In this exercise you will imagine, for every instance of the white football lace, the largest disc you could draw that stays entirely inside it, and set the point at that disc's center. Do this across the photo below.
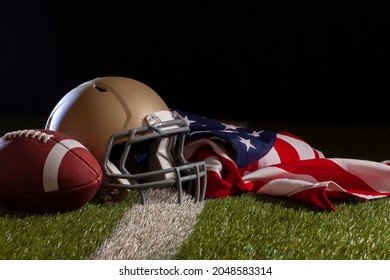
(41, 136)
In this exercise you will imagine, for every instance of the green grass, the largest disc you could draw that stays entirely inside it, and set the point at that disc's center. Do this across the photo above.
(73, 235)
(245, 227)
(263, 227)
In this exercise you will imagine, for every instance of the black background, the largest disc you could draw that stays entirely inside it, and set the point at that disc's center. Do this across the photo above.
(267, 60)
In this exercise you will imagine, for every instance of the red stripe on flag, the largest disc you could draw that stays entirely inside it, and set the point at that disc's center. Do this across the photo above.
(316, 180)
(285, 151)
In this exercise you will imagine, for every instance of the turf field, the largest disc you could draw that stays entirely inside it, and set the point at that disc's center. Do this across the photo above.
(241, 228)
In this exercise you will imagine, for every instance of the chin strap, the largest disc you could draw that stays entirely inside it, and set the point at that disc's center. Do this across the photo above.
(114, 194)
(114, 170)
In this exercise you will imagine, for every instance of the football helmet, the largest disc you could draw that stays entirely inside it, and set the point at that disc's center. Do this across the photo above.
(133, 134)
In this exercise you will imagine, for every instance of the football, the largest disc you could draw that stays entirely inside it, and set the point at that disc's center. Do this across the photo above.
(46, 171)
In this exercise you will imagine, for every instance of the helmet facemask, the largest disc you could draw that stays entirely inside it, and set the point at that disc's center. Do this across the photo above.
(152, 157)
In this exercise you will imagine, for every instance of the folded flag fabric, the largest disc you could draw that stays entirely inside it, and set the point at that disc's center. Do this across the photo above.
(241, 160)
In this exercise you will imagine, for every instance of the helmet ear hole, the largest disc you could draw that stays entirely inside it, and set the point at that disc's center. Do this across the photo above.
(100, 88)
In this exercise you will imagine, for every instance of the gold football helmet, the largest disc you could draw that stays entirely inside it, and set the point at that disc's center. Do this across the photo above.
(133, 134)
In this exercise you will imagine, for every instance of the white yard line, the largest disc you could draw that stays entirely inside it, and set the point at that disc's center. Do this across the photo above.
(155, 230)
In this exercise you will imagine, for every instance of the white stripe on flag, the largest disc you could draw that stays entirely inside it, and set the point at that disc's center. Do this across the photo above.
(304, 150)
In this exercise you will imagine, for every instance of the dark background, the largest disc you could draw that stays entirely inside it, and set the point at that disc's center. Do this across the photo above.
(282, 61)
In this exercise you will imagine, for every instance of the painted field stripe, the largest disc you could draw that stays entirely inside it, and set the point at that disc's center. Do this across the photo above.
(152, 231)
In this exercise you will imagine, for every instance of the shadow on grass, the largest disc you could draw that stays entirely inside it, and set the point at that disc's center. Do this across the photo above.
(289, 203)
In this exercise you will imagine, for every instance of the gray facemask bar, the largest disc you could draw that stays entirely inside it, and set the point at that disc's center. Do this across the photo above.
(195, 172)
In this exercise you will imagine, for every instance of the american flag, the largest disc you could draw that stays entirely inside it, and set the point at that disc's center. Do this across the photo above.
(241, 160)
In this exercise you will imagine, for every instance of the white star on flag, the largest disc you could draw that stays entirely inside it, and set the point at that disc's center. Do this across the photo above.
(230, 126)
(256, 133)
(247, 143)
